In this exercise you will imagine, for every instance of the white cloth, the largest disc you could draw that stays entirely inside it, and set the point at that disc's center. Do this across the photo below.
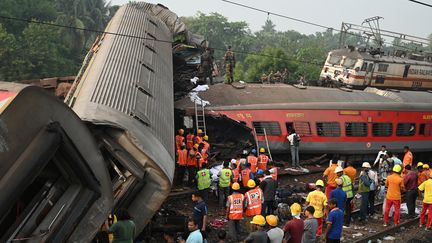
(291, 138)
(201, 88)
(379, 155)
(374, 177)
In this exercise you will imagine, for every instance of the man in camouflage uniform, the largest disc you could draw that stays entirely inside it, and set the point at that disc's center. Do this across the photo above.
(229, 63)
(207, 65)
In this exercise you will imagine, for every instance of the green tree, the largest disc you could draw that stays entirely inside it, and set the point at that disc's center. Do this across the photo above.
(7, 51)
(239, 73)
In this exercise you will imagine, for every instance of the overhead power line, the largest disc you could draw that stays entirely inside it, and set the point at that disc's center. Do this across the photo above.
(421, 3)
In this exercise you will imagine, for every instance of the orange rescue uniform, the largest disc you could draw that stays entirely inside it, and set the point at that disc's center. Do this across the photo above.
(182, 157)
(254, 199)
(408, 158)
(236, 202)
(245, 176)
(179, 140)
(262, 162)
(254, 163)
(189, 141)
(192, 161)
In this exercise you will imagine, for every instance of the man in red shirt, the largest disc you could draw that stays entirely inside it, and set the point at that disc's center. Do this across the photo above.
(410, 182)
(295, 227)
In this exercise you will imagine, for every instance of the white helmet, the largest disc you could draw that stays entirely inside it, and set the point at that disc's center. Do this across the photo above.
(338, 169)
(366, 165)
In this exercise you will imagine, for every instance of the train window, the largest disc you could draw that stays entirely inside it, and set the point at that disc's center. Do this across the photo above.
(302, 128)
(349, 62)
(271, 128)
(425, 129)
(370, 67)
(382, 129)
(328, 129)
(380, 79)
(405, 129)
(364, 66)
(382, 67)
(356, 129)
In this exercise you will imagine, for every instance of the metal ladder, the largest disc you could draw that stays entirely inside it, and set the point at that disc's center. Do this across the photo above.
(200, 117)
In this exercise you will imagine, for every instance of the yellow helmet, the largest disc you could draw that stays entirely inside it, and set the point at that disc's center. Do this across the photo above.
(272, 220)
(262, 150)
(196, 146)
(251, 183)
(235, 186)
(295, 209)
(319, 183)
(420, 164)
(425, 166)
(397, 168)
(258, 220)
(205, 138)
(199, 131)
(181, 131)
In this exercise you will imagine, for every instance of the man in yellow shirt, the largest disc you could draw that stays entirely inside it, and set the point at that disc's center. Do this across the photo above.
(331, 178)
(427, 202)
(318, 200)
(395, 186)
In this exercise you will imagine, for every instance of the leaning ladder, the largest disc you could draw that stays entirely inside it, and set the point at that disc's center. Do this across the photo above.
(200, 117)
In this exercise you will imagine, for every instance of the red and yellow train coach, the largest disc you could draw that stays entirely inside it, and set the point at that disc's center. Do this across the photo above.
(328, 120)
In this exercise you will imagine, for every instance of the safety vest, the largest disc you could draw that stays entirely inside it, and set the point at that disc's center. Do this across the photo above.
(179, 140)
(254, 201)
(204, 179)
(236, 206)
(254, 163)
(347, 186)
(199, 159)
(198, 139)
(245, 176)
(262, 162)
(275, 173)
(192, 158)
(189, 141)
(225, 178)
(236, 174)
(206, 145)
(182, 157)
(204, 156)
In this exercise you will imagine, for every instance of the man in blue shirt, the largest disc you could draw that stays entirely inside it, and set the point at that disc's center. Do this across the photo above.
(195, 235)
(200, 211)
(339, 194)
(335, 222)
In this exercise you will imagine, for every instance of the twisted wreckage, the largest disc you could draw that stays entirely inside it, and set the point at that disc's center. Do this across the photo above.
(66, 165)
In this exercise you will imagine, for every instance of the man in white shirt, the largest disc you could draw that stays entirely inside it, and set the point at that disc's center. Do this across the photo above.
(274, 233)
(380, 155)
(373, 175)
(294, 140)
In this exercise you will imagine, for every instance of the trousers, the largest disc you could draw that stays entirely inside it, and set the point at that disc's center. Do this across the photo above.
(348, 210)
(371, 199)
(267, 208)
(223, 195)
(396, 215)
(295, 156)
(410, 198)
(425, 207)
(328, 190)
(234, 229)
(364, 205)
(320, 226)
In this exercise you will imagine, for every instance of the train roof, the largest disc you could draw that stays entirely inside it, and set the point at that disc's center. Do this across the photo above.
(282, 96)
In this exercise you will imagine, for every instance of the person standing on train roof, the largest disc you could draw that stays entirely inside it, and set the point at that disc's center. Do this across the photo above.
(331, 177)
(225, 177)
(182, 155)
(294, 141)
(318, 200)
(246, 175)
(395, 187)
(203, 177)
(410, 182)
(426, 187)
(253, 161)
(408, 157)
(382, 152)
(262, 159)
(179, 139)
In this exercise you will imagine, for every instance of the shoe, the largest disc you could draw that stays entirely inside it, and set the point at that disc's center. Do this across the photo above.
(345, 227)
(420, 225)
(385, 225)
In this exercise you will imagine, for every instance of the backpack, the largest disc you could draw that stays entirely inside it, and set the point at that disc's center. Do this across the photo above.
(296, 140)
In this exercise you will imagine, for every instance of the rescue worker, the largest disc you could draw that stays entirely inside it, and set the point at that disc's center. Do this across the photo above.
(351, 172)
(206, 143)
(262, 159)
(203, 177)
(182, 155)
(253, 161)
(408, 157)
(190, 140)
(254, 199)
(420, 175)
(207, 65)
(331, 177)
(347, 187)
(259, 177)
(258, 235)
(246, 175)
(269, 187)
(225, 177)
(410, 182)
(426, 187)
(395, 187)
(201, 155)
(199, 137)
(229, 63)
(192, 164)
(295, 227)
(426, 170)
(235, 171)
(273, 170)
(234, 211)
(364, 189)
(179, 139)
(275, 234)
(318, 200)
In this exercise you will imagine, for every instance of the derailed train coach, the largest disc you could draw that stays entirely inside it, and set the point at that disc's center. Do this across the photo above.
(65, 167)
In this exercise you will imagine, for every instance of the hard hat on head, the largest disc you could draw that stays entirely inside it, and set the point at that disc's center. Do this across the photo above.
(420, 164)
(258, 220)
(319, 183)
(295, 209)
(272, 220)
(260, 172)
(262, 150)
(425, 166)
(338, 169)
(196, 146)
(339, 181)
(181, 131)
(199, 131)
(397, 168)
(366, 165)
(235, 186)
(205, 138)
(251, 183)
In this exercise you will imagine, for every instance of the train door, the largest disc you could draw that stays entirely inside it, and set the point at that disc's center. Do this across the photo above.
(369, 74)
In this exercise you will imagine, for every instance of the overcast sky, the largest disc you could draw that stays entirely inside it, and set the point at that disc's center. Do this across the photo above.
(399, 15)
